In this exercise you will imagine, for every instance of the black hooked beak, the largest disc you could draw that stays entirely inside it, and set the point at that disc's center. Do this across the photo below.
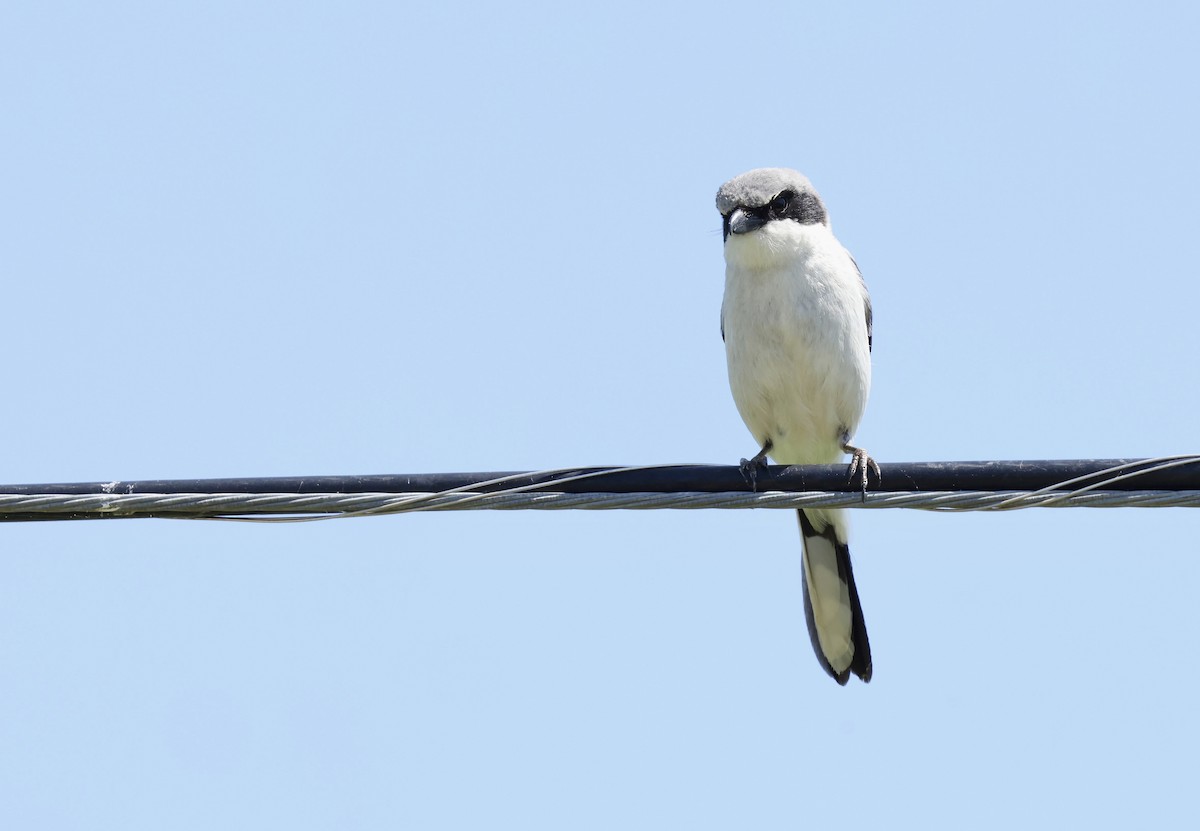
(743, 221)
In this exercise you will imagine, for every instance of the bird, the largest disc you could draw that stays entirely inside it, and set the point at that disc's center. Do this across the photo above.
(797, 325)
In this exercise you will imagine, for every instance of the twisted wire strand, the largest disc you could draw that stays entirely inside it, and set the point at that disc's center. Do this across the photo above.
(271, 506)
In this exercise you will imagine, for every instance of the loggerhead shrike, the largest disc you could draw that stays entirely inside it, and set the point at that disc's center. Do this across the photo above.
(796, 321)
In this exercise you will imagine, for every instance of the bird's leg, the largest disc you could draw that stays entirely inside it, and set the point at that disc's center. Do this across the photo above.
(860, 463)
(749, 467)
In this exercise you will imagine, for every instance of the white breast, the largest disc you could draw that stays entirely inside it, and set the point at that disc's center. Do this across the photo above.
(794, 318)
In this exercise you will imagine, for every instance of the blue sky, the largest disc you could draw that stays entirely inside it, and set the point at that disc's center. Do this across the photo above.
(378, 238)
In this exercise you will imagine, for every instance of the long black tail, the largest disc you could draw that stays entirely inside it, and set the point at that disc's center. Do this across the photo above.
(831, 608)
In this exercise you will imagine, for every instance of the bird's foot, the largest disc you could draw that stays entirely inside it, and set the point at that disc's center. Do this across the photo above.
(861, 464)
(750, 467)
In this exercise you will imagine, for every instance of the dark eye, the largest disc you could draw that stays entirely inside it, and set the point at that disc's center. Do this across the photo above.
(780, 203)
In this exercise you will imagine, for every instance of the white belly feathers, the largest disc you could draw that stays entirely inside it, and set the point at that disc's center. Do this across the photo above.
(796, 342)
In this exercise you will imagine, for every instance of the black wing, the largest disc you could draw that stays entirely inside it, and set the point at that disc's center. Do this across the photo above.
(866, 303)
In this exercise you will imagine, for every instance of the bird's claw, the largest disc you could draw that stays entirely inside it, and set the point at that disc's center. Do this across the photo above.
(861, 464)
(750, 468)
